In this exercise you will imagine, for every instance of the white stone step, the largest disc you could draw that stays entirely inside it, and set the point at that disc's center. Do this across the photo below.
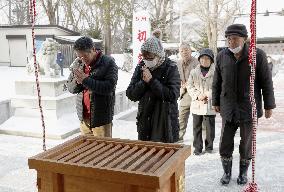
(65, 100)
(32, 127)
(48, 86)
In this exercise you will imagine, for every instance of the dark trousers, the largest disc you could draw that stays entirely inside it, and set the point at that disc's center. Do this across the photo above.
(227, 139)
(209, 123)
(61, 68)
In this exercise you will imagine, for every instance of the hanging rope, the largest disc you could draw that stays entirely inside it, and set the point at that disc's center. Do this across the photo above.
(252, 187)
(33, 16)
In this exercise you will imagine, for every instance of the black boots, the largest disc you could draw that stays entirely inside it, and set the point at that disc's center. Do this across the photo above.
(227, 167)
(242, 178)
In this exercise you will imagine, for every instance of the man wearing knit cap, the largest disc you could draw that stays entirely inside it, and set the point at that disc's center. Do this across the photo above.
(185, 65)
(231, 97)
(155, 84)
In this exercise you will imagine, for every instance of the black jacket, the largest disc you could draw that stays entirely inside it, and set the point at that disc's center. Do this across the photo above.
(231, 85)
(101, 83)
(164, 86)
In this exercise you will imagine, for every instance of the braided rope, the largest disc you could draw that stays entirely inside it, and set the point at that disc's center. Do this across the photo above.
(252, 187)
(33, 16)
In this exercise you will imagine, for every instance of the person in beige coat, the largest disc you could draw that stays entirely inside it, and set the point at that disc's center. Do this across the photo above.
(200, 89)
(185, 65)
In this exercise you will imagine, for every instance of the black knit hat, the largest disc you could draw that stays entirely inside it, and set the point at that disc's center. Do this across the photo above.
(236, 29)
(207, 52)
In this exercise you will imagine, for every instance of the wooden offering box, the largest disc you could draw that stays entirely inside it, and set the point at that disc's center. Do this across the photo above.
(92, 164)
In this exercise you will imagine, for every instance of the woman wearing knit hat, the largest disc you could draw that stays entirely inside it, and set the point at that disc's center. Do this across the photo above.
(155, 84)
(200, 89)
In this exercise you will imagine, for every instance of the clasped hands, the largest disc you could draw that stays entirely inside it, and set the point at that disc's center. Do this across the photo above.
(79, 75)
(203, 97)
(146, 74)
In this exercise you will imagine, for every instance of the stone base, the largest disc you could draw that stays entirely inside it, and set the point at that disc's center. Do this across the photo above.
(58, 107)
(122, 103)
(27, 106)
(56, 101)
(5, 110)
(49, 87)
(32, 127)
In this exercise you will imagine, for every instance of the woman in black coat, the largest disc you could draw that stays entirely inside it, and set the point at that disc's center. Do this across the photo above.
(155, 84)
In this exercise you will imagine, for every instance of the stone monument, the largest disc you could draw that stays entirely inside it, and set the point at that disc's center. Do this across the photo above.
(46, 59)
(57, 103)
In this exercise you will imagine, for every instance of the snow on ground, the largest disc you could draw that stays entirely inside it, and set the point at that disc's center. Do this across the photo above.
(202, 172)
(8, 75)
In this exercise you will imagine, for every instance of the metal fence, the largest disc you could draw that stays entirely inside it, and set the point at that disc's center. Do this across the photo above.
(68, 53)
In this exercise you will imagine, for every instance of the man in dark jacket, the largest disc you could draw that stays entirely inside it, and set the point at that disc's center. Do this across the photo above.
(155, 84)
(93, 79)
(230, 97)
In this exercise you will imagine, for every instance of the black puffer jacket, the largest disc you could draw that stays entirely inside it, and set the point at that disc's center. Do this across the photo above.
(164, 86)
(101, 83)
(231, 85)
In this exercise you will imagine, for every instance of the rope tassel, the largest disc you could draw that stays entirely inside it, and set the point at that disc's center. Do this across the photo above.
(252, 187)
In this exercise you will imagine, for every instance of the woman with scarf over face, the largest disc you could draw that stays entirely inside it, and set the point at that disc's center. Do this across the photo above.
(156, 84)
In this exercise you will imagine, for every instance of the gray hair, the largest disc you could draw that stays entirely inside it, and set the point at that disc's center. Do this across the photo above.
(185, 44)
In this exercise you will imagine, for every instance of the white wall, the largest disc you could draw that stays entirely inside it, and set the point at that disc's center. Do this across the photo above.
(4, 43)
(4, 50)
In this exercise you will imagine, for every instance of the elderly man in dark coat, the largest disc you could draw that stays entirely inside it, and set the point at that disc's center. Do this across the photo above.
(230, 97)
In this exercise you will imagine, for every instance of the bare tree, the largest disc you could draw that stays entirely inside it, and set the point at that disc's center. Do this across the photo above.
(4, 4)
(15, 11)
(103, 14)
(73, 13)
(163, 16)
(50, 8)
(21, 12)
(6, 11)
(112, 19)
(215, 15)
(122, 24)
(107, 27)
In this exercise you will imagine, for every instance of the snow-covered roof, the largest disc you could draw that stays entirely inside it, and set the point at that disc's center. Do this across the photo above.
(72, 39)
(271, 26)
(168, 46)
(47, 28)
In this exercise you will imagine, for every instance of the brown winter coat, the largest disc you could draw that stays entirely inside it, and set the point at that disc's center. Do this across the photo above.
(184, 71)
